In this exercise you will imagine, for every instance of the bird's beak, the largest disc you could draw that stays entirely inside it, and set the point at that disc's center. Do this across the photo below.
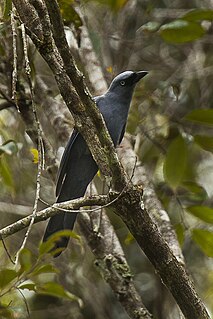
(140, 75)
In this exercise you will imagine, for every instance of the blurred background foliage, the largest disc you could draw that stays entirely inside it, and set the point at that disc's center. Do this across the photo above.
(171, 127)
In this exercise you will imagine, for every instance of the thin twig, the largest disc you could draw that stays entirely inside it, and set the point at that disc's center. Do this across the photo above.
(25, 301)
(53, 210)
(40, 142)
(7, 252)
(26, 59)
(15, 72)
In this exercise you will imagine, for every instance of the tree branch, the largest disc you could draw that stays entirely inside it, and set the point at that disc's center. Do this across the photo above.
(111, 263)
(151, 202)
(46, 213)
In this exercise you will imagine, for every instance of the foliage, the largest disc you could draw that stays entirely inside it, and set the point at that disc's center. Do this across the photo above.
(32, 272)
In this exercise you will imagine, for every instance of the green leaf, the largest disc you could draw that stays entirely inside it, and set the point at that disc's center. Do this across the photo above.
(64, 233)
(56, 290)
(175, 162)
(69, 13)
(179, 229)
(45, 247)
(6, 276)
(129, 239)
(195, 192)
(48, 246)
(181, 31)
(35, 154)
(151, 26)
(206, 142)
(25, 260)
(198, 15)
(30, 287)
(10, 147)
(204, 239)
(41, 269)
(5, 174)
(204, 213)
(7, 9)
(201, 116)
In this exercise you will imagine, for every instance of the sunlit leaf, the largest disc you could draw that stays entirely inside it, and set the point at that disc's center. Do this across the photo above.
(204, 213)
(25, 260)
(175, 162)
(204, 239)
(45, 247)
(10, 147)
(34, 152)
(198, 15)
(29, 286)
(109, 69)
(201, 116)
(48, 246)
(41, 269)
(56, 290)
(6, 276)
(129, 239)
(151, 26)
(181, 31)
(64, 233)
(206, 142)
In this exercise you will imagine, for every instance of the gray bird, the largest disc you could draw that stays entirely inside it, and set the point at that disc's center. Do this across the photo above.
(77, 167)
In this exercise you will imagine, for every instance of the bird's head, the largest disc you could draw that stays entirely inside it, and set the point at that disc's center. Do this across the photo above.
(124, 83)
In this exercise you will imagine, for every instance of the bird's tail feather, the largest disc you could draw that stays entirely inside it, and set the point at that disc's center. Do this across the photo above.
(59, 222)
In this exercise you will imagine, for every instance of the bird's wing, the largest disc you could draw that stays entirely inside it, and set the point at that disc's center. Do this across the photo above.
(64, 161)
(122, 134)
(63, 168)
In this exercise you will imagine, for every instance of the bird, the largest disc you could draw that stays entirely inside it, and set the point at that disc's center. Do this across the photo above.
(77, 167)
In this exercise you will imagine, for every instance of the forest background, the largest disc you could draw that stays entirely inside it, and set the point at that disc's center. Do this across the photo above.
(169, 129)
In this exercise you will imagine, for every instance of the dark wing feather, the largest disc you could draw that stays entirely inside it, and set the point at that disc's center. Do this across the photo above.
(122, 134)
(64, 161)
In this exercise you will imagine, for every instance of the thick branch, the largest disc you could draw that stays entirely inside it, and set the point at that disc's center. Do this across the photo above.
(111, 262)
(151, 202)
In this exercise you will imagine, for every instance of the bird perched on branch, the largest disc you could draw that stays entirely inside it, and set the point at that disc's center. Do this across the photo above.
(77, 167)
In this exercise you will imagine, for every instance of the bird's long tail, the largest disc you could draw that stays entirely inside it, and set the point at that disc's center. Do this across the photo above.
(59, 222)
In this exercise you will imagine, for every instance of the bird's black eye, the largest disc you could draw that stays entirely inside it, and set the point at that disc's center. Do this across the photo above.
(122, 83)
